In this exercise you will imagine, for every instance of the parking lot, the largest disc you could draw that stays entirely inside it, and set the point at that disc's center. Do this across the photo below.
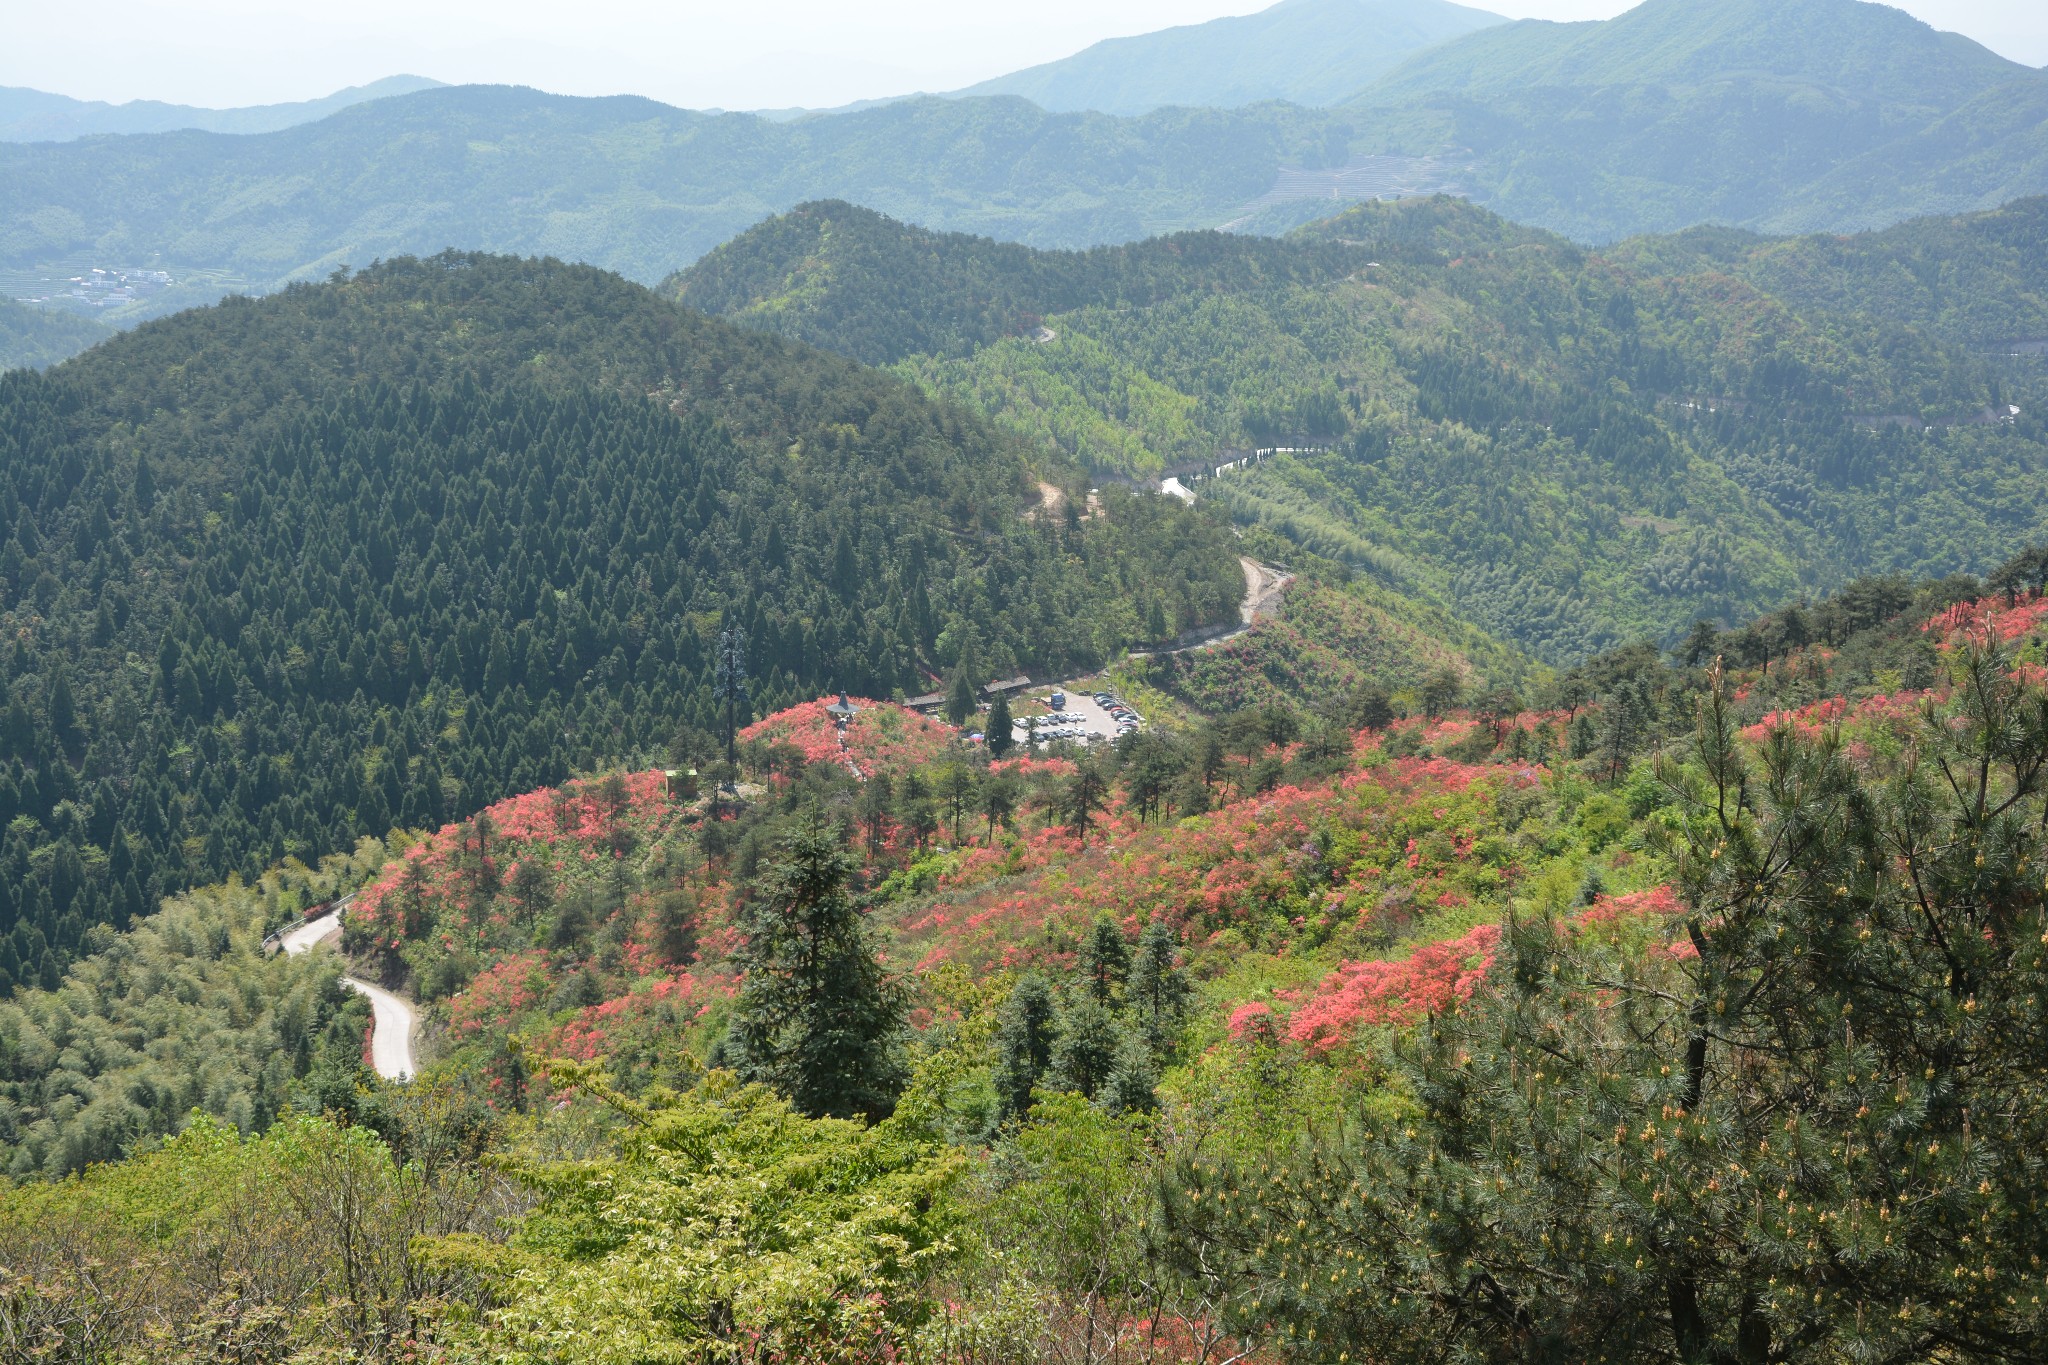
(1085, 719)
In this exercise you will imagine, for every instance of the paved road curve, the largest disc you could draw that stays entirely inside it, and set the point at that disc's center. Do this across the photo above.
(391, 1039)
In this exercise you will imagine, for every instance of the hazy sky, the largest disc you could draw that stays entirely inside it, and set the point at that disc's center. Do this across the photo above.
(735, 54)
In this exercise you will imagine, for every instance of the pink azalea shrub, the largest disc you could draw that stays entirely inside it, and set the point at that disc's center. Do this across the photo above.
(882, 736)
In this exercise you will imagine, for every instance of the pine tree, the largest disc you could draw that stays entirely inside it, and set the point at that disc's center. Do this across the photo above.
(957, 784)
(1086, 1050)
(816, 1018)
(998, 801)
(1158, 990)
(1085, 793)
(1105, 959)
(1024, 1038)
(1129, 1088)
(1000, 730)
(1440, 692)
(960, 700)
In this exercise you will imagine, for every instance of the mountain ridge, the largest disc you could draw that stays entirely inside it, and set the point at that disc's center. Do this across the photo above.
(1304, 51)
(28, 115)
(1802, 116)
(1677, 429)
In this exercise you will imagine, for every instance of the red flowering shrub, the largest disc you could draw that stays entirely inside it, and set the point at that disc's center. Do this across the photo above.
(1988, 619)
(1253, 1022)
(500, 994)
(1293, 865)
(1438, 976)
(1894, 711)
(1432, 979)
(882, 736)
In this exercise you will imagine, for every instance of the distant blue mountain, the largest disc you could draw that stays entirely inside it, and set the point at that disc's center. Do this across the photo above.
(38, 116)
(1305, 51)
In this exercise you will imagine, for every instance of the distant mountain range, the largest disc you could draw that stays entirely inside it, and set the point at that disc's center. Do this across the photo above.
(1803, 116)
(1305, 51)
(626, 183)
(38, 116)
(1775, 115)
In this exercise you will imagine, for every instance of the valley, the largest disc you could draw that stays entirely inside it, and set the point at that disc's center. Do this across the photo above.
(1356, 685)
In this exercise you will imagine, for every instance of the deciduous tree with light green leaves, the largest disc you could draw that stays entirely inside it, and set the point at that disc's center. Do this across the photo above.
(726, 1227)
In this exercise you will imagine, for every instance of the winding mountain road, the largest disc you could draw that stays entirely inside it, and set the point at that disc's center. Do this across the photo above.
(394, 1019)
(1264, 586)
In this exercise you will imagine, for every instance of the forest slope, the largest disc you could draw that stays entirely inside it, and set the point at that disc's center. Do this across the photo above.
(1568, 449)
(1149, 1012)
(280, 574)
(34, 338)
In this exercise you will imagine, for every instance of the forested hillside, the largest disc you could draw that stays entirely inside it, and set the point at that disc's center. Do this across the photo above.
(38, 337)
(857, 282)
(1979, 280)
(1568, 449)
(376, 552)
(183, 1012)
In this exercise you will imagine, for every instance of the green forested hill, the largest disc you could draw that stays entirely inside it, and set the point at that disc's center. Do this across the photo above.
(1570, 449)
(1305, 51)
(1844, 46)
(1785, 115)
(279, 574)
(34, 337)
(857, 282)
(1976, 279)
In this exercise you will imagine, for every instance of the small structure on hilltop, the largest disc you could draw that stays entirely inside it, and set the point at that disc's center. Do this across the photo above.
(842, 711)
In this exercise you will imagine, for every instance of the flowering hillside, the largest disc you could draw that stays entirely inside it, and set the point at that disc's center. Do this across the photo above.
(882, 736)
(1360, 858)
(598, 918)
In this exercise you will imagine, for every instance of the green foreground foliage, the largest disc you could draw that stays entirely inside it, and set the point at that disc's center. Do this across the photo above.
(726, 1227)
